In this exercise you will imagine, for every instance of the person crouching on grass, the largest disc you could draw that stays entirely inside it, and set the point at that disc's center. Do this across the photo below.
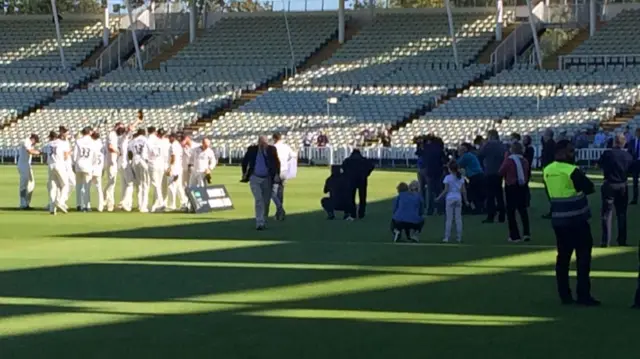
(455, 192)
(408, 208)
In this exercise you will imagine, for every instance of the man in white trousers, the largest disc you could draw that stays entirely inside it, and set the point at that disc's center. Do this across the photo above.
(98, 168)
(285, 156)
(57, 153)
(27, 182)
(125, 170)
(111, 163)
(165, 152)
(84, 153)
(187, 147)
(139, 153)
(174, 174)
(156, 169)
(63, 132)
(203, 161)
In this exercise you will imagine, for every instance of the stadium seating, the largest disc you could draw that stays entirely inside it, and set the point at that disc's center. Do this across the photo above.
(260, 41)
(28, 42)
(402, 38)
(22, 90)
(613, 38)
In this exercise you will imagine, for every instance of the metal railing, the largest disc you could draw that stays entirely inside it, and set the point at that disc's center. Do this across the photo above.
(550, 42)
(385, 156)
(623, 60)
(506, 54)
(571, 15)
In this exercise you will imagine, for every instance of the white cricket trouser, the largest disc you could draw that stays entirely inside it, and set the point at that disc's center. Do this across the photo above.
(175, 191)
(197, 179)
(110, 189)
(165, 185)
(27, 185)
(184, 201)
(156, 176)
(58, 186)
(126, 187)
(141, 182)
(83, 189)
(71, 180)
(96, 180)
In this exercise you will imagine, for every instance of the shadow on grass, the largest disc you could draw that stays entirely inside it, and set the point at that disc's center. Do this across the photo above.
(322, 291)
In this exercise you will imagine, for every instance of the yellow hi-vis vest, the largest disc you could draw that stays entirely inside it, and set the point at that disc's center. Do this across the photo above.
(557, 177)
(568, 206)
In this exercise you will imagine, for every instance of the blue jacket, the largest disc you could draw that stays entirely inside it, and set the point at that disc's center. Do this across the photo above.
(470, 163)
(408, 207)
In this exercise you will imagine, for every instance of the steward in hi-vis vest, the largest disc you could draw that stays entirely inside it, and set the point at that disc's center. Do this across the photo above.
(568, 188)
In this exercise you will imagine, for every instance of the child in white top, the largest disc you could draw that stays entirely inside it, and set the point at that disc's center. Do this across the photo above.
(454, 189)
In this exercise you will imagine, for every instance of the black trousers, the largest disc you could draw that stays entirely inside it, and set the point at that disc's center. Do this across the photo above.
(477, 191)
(422, 179)
(406, 226)
(495, 196)
(635, 174)
(434, 188)
(361, 188)
(569, 239)
(517, 200)
(637, 298)
(330, 207)
(614, 196)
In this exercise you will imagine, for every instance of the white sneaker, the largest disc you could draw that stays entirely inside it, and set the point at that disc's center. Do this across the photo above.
(349, 219)
(127, 209)
(446, 240)
(110, 208)
(459, 240)
(513, 240)
(144, 210)
(63, 209)
(396, 235)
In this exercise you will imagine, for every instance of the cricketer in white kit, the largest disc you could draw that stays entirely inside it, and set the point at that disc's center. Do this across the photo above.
(157, 169)
(57, 152)
(203, 161)
(139, 158)
(111, 163)
(27, 182)
(285, 156)
(98, 168)
(174, 175)
(84, 153)
(126, 172)
(165, 152)
(71, 179)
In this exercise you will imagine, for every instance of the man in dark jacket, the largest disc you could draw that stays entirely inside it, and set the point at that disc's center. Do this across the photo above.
(493, 153)
(615, 165)
(432, 158)
(633, 147)
(337, 186)
(260, 167)
(357, 170)
(547, 157)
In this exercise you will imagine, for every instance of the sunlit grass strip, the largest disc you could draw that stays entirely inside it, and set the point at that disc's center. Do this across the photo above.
(595, 274)
(38, 323)
(401, 317)
(451, 270)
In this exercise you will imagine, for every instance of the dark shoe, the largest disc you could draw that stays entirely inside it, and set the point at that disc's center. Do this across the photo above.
(501, 218)
(635, 306)
(624, 244)
(331, 217)
(526, 238)
(260, 228)
(488, 220)
(634, 202)
(78, 208)
(567, 301)
(546, 216)
(588, 302)
(28, 208)
(604, 245)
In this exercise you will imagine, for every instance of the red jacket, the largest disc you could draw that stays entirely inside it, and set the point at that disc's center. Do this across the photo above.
(509, 171)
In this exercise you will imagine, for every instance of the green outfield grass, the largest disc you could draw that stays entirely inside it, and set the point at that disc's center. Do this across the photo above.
(130, 285)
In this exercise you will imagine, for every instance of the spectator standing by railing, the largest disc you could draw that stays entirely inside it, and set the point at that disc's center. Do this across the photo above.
(322, 140)
(493, 153)
(633, 147)
(547, 157)
(515, 170)
(615, 166)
